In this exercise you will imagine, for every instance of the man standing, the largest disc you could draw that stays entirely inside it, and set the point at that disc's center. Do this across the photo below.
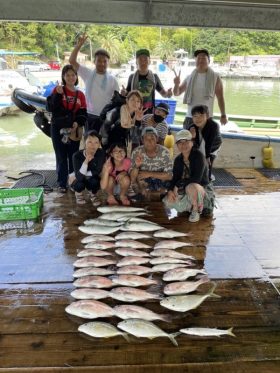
(145, 81)
(201, 87)
(99, 84)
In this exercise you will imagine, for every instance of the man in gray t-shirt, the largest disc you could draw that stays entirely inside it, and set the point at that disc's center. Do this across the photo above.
(151, 164)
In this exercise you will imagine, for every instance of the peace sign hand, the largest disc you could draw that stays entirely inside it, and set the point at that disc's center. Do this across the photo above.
(59, 89)
(177, 78)
(82, 39)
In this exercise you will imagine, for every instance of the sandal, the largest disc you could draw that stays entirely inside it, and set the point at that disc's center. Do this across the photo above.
(80, 198)
(125, 201)
(111, 200)
(62, 190)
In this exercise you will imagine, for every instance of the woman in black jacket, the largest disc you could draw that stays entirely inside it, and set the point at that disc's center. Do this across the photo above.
(189, 188)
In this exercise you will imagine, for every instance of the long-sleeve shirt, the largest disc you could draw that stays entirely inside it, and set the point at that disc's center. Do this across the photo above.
(93, 168)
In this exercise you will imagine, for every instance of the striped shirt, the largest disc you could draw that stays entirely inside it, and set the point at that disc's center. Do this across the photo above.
(162, 128)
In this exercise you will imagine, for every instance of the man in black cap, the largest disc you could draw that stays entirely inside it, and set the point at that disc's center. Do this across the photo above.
(201, 87)
(145, 81)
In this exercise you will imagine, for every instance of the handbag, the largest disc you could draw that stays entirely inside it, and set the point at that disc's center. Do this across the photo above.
(66, 119)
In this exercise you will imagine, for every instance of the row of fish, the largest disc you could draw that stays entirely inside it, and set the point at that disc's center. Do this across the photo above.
(128, 273)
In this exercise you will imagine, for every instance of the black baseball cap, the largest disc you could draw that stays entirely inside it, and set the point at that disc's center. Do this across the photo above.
(163, 106)
(205, 51)
(142, 52)
(101, 52)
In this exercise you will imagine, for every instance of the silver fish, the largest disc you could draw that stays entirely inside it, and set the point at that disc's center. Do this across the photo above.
(171, 254)
(133, 280)
(184, 287)
(169, 260)
(109, 209)
(141, 227)
(131, 252)
(132, 260)
(208, 332)
(86, 293)
(145, 329)
(181, 274)
(93, 252)
(100, 245)
(101, 330)
(93, 261)
(170, 244)
(128, 294)
(166, 267)
(133, 270)
(97, 229)
(87, 271)
(89, 309)
(121, 217)
(184, 303)
(132, 244)
(141, 220)
(131, 236)
(129, 311)
(96, 238)
(106, 223)
(168, 233)
(98, 282)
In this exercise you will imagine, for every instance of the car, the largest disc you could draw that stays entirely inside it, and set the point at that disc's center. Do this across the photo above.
(54, 65)
(27, 66)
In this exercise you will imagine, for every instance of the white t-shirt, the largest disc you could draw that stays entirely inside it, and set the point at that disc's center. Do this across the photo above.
(198, 95)
(100, 94)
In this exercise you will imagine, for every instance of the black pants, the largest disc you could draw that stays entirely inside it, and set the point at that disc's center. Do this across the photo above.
(63, 156)
(93, 123)
(91, 183)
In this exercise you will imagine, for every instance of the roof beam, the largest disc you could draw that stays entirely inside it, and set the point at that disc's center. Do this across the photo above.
(241, 14)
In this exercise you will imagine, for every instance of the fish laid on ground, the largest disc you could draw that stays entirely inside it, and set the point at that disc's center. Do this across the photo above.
(96, 238)
(106, 223)
(89, 309)
(86, 293)
(121, 216)
(93, 261)
(171, 254)
(101, 245)
(131, 252)
(109, 209)
(184, 303)
(133, 280)
(139, 220)
(132, 261)
(101, 330)
(208, 332)
(129, 311)
(166, 267)
(184, 287)
(182, 274)
(97, 229)
(87, 271)
(132, 244)
(140, 227)
(145, 329)
(128, 294)
(93, 252)
(168, 233)
(169, 260)
(133, 270)
(98, 282)
(170, 244)
(131, 236)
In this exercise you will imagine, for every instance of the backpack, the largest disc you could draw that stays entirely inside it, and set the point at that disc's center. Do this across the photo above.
(117, 101)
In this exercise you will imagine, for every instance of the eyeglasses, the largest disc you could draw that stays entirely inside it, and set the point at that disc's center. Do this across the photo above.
(121, 151)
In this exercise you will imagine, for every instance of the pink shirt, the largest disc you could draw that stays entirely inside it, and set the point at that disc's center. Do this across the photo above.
(124, 167)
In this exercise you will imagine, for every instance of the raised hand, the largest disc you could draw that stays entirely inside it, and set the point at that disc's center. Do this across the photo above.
(140, 113)
(59, 89)
(138, 160)
(123, 91)
(177, 78)
(82, 39)
(108, 166)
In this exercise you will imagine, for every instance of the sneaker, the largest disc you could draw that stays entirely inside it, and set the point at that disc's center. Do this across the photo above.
(194, 217)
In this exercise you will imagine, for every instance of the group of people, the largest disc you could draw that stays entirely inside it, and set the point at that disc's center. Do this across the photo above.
(124, 134)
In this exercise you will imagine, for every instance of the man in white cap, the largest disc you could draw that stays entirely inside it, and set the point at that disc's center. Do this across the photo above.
(190, 189)
(151, 164)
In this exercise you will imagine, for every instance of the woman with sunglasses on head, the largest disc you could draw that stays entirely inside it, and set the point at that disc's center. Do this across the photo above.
(115, 173)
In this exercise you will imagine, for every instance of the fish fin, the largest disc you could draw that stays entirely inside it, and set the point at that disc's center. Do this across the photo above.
(172, 338)
(166, 318)
(212, 294)
(126, 337)
(231, 333)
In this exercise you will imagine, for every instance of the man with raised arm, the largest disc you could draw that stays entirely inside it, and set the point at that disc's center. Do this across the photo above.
(99, 84)
(201, 87)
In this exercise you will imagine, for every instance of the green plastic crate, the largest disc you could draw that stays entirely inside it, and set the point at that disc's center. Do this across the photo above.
(20, 204)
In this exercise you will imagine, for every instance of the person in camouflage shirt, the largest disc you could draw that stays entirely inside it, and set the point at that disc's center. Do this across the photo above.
(151, 164)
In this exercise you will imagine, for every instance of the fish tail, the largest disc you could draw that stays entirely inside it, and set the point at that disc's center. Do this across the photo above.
(212, 294)
(126, 337)
(166, 318)
(229, 332)
(172, 338)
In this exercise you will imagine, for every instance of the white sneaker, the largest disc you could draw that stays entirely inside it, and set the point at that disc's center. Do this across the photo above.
(194, 217)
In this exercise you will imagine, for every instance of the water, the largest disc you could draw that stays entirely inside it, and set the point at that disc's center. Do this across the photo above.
(23, 146)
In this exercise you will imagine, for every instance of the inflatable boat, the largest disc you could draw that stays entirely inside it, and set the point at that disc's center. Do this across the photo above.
(28, 102)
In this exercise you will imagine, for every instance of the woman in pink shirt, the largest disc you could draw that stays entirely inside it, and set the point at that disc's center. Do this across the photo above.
(115, 173)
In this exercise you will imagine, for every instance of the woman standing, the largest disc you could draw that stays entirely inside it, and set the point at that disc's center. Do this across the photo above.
(88, 165)
(190, 189)
(69, 115)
